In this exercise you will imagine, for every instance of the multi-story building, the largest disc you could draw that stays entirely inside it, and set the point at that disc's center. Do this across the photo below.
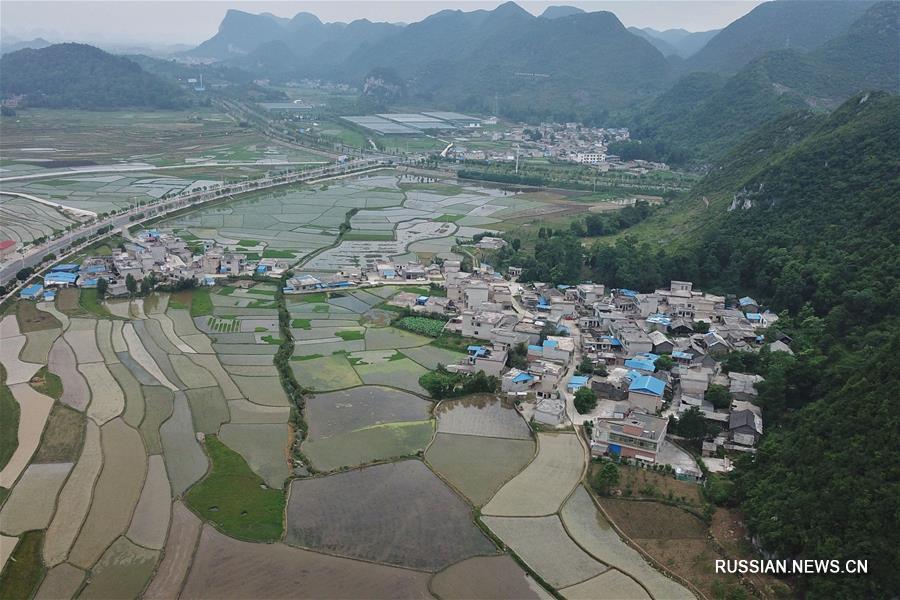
(637, 435)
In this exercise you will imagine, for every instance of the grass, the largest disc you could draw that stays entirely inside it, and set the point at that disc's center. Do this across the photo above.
(48, 383)
(234, 498)
(90, 302)
(248, 242)
(62, 438)
(278, 254)
(317, 297)
(9, 424)
(271, 339)
(448, 218)
(25, 568)
(301, 324)
(350, 335)
(454, 341)
(201, 303)
(368, 237)
(307, 357)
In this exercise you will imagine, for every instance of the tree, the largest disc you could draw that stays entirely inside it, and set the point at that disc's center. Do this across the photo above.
(102, 286)
(692, 425)
(606, 478)
(24, 274)
(701, 327)
(585, 400)
(130, 284)
(586, 367)
(718, 395)
(664, 362)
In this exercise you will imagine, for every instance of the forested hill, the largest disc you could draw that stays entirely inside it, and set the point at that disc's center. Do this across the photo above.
(814, 229)
(84, 77)
(703, 115)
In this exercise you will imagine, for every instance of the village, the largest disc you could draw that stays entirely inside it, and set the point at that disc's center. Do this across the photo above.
(624, 365)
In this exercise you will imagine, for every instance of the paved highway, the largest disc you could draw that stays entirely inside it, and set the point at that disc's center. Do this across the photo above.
(34, 255)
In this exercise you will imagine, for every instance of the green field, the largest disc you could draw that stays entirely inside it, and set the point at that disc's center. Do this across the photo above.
(9, 424)
(231, 497)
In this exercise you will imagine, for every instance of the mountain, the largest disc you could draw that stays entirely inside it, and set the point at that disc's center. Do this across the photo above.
(508, 57)
(21, 45)
(556, 12)
(275, 45)
(783, 24)
(85, 77)
(678, 42)
(707, 114)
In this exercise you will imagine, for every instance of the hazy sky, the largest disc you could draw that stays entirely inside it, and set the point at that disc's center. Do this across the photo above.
(190, 22)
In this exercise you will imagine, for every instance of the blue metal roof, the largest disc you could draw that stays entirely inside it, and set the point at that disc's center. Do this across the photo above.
(61, 277)
(747, 300)
(639, 363)
(533, 348)
(647, 385)
(628, 293)
(522, 377)
(612, 341)
(31, 291)
(753, 317)
(550, 343)
(684, 355)
(578, 379)
(66, 267)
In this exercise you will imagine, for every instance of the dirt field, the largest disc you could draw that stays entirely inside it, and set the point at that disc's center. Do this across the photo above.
(76, 392)
(486, 578)
(225, 568)
(34, 408)
(482, 414)
(652, 520)
(476, 465)
(62, 437)
(379, 514)
(115, 495)
(74, 499)
(541, 488)
(612, 585)
(645, 483)
(594, 533)
(122, 571)
(544, 545)
(151, 516)
(183, 535)
(345, 411)
(33, 499)
(32, 319)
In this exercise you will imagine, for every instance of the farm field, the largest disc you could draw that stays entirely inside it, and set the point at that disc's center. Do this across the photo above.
(357, 514)
(185, 468)
(39, 138)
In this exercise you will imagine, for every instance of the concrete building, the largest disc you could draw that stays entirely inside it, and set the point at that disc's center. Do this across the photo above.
(646, 392)
(637, 435)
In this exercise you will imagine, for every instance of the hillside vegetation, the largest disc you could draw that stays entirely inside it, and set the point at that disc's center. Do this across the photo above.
(83, 77)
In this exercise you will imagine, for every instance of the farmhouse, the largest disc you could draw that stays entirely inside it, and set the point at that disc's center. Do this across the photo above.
(637, 435)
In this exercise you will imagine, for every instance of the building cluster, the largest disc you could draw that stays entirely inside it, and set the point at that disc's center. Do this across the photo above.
(164, 256)
(568, 142)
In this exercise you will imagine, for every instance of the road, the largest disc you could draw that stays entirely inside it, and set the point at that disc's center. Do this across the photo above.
(34, 255)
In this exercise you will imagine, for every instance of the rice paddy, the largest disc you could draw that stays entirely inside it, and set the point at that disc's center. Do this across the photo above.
(358, 513)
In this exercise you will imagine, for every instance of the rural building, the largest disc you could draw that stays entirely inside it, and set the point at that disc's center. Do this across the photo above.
(646, 392)
(550, 411)
(32, 292)
(637, 435)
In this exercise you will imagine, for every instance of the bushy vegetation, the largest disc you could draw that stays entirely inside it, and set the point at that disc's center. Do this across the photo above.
(421, 325)
(441, 383)
(585, 400)
(9, 424)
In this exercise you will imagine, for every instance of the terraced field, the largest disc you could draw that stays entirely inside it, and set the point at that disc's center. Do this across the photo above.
(169, 461)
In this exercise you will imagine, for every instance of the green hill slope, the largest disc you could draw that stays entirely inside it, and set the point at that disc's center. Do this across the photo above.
(804, 216)
(82, 76)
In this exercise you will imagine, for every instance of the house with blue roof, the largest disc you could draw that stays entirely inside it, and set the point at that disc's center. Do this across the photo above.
(517, 381)
(748, 305)
(641, 363)
(646, 393)
(32, 292)
(60, 279)
(577, 382)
